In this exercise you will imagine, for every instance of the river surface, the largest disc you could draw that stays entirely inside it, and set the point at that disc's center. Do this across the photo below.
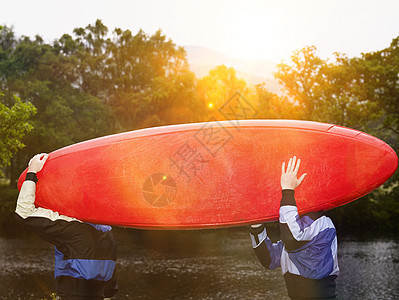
(209, 264)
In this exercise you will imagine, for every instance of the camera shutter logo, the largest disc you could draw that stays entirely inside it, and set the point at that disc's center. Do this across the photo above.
(159, 190)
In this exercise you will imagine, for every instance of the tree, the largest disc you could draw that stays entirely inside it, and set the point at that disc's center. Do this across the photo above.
(217, 89)
(14, 124)
(92, 84)
(342, 101)
(301, 80)
(328, 92)
(272, 106)
(379, 74)
(151, 81)
(46, 76)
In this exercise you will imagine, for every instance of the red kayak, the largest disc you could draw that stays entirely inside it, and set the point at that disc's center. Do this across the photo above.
(209, 175)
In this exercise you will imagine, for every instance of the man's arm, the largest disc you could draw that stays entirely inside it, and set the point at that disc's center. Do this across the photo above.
(268, 253)
(27, 194)
(296, 231)
(290, 223)
(44, 222)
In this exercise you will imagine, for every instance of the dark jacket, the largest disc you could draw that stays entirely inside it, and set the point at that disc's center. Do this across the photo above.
(306, 253)
(85, 254)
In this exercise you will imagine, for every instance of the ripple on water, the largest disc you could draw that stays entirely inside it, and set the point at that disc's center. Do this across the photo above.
(211, 267)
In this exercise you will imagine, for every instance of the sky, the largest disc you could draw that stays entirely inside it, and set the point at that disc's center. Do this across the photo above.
(246, 29)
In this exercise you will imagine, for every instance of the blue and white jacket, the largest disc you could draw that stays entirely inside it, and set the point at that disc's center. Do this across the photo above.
(85, 254)
(306, 253)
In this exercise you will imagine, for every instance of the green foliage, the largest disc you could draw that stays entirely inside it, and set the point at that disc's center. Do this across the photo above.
(376, 214)
(342, 100)
(271, 106)
(380, 81)
(14, 124)
(301, 79)
(219, 85)
(152, 82)
(328, 92)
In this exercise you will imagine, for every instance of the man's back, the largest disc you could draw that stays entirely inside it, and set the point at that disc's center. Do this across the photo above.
(85, 254)
(307, 251)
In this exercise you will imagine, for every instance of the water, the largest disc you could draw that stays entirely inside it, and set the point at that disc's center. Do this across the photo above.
(211, 264)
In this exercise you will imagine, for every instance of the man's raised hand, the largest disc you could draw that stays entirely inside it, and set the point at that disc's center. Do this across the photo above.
(289, 180)
(37, 162)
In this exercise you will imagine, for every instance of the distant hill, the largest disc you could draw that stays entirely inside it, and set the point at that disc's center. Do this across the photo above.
(202, 60)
